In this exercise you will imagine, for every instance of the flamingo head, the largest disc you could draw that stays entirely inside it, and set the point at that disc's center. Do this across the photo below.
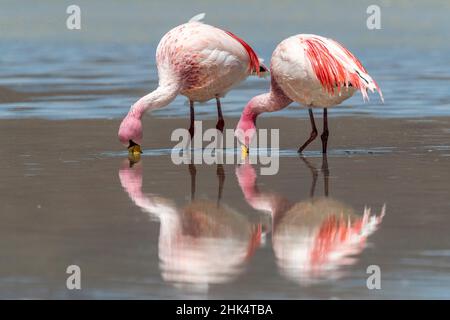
(246, 129)
(245, 132)
(130, 133)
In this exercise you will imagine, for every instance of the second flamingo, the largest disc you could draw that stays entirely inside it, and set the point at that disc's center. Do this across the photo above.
(314, 71)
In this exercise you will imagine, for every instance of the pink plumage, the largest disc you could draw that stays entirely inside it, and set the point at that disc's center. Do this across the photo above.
(314, 71)
(312, 237)
(332, 72)
(196, 60)
(194, 238)
(254, 61)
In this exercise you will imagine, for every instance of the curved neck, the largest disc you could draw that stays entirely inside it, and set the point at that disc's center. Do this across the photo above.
(159, 98)
(270, 202)
(268, 102)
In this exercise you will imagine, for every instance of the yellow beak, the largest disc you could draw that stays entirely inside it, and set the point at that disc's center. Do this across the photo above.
(244, 151)
(135, 150)
(134, 158)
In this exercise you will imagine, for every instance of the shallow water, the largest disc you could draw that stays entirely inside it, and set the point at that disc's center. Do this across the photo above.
(236, 153)
(117, 231)
(157, 230)
(108, 65)
(107, 89)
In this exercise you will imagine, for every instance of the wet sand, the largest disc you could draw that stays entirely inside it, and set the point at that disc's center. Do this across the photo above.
(65, 200)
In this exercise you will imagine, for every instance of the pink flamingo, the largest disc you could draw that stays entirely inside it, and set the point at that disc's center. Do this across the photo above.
(200, 243)
(196, 60)
(313, 239)
(314, 71)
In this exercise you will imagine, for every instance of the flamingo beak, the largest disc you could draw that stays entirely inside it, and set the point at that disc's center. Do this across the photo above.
(244, 151)
(133, 159)
(134, 149)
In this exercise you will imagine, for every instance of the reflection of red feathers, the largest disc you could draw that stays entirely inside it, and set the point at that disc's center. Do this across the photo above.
(255, 240)
(254, 61)
(336, 68)
(338, 234)
(332, 233)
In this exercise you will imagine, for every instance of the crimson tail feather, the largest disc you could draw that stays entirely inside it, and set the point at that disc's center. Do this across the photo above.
(337, 69)
(254, 65)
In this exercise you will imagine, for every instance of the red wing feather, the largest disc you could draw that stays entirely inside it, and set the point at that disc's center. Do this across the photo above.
(331, 71)
(254, 61)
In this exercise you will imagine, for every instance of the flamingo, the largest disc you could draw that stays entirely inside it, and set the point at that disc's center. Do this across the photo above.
(196, 60)
(195, 238)
(314, 71)
(313, 239)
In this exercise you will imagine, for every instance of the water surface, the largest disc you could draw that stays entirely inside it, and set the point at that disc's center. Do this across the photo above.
(100, 70)
(158, 230)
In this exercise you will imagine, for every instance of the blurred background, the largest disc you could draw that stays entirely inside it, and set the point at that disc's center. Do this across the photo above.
(47, 70)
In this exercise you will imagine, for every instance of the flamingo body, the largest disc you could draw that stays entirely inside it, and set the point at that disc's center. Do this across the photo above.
(295, 75)
(205, 61)
(321, 235)
(312, 239)
(314, 71)
(201, 243)
(196, 60)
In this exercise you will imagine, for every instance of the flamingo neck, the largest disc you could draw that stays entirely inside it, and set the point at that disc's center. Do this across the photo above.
(156, 99)
(268, 102)
(272, 203)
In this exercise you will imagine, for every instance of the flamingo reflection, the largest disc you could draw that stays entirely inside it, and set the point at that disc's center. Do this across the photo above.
(312, 239)
(204, 242)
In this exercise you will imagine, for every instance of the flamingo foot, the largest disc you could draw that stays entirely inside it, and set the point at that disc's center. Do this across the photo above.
(310, 139)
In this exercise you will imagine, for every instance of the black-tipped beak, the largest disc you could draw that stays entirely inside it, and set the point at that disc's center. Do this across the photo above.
(134, 148)
(244, 151)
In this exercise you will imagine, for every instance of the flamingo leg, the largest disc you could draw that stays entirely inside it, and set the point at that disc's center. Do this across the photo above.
(314, 176)
(325, 132)
(313, 132)
(220, 122)
(192, 173)
(191, 108)
(314, 172)
(326, 173)
(221, 175)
